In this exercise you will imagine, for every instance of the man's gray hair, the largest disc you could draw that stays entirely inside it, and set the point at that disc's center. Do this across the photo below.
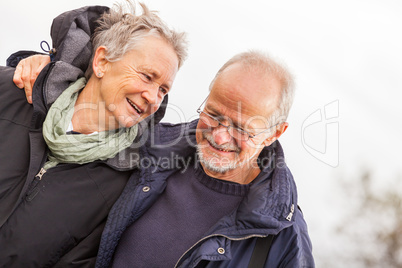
(261, 62)
(121, 29)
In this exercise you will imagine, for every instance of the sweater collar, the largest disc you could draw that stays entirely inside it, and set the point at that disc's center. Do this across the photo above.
(268, 204)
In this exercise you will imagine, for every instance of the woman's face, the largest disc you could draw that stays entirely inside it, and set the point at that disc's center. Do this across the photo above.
(134, 87)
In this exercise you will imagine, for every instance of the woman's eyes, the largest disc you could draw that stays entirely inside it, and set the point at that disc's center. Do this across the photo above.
(147, 76)
(163, 90)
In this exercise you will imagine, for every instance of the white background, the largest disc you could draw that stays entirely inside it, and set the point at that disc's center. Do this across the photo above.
(345, 55)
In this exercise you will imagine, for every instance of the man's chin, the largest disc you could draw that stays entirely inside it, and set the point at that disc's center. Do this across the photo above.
(208, 166)
(213, 165)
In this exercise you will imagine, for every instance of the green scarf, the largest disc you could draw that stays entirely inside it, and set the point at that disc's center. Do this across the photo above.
(79, 148)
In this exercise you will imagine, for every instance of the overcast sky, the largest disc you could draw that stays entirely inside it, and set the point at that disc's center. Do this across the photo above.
(346, 57)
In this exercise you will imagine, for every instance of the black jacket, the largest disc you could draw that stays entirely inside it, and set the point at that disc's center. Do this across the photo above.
(55, 219)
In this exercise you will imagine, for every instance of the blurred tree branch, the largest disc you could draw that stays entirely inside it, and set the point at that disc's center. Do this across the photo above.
(374, 223)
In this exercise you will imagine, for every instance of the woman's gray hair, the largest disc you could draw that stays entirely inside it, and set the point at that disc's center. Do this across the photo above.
(121, 29)
(258, 61)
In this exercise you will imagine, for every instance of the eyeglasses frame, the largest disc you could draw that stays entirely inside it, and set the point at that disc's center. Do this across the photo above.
(250, 136)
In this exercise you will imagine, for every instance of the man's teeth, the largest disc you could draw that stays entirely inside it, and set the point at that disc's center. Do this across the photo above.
(134, 106)
(223, 150)
(220, 149)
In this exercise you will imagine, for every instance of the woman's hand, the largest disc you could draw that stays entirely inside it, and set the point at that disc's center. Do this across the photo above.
(27, 71)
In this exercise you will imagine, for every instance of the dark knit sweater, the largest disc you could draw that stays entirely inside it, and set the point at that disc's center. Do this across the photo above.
(190, 205)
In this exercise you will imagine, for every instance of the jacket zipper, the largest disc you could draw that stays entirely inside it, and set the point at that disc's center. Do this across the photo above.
(40, 174)
(42, 171)
(43, 95)
(209, 236)
(34, 190)
(292, 210)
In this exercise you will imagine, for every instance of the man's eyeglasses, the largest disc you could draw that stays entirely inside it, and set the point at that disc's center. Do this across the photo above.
(235, 132)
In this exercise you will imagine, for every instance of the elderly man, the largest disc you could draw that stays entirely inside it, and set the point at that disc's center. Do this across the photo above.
(226, 186)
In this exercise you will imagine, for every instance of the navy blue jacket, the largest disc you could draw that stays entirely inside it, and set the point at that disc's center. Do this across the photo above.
(269, 208)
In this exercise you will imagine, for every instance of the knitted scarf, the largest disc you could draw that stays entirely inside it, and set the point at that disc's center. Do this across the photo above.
(79, 148)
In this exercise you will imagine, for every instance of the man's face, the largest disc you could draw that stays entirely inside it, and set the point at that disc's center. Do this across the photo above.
(134, 87)
(244, 99)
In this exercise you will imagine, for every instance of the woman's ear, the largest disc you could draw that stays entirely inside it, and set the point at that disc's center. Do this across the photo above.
(280, 129)
(100, 63)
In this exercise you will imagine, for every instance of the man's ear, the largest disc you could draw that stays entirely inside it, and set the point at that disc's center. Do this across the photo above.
(280, 129)
(100, 63)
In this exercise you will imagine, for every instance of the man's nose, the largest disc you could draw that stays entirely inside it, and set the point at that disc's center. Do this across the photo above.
(221, 135)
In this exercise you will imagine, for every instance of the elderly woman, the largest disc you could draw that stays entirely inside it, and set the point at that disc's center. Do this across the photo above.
(66, 159)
